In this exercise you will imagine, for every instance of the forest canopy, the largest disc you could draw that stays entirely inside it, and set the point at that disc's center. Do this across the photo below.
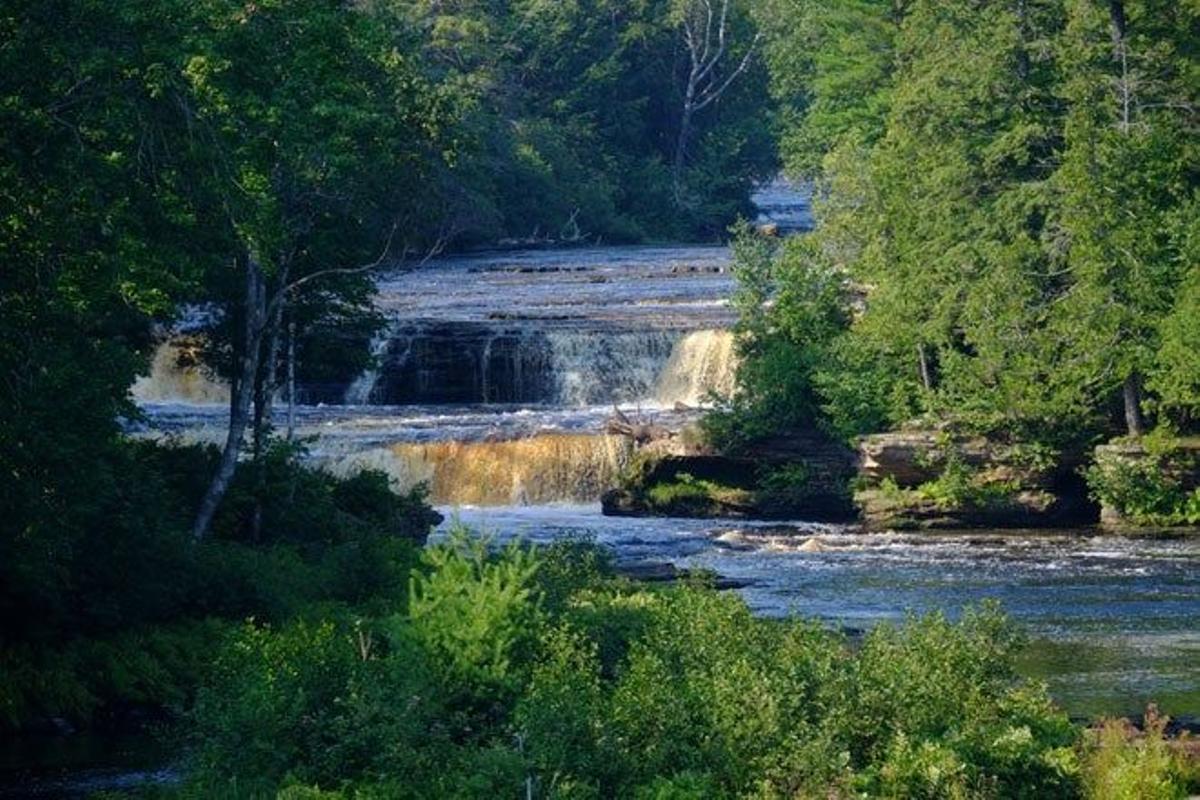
(1008, 210)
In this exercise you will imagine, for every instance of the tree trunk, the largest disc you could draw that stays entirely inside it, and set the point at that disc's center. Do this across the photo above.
(264, 401)
(685, 131)
(1132, 391)
(242, 395)
(1116, 13)
(926, 373)
(291, 378)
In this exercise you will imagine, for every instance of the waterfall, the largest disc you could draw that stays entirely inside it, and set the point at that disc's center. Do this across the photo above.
(439, 364)
(550, 468)
(701, 363)
(177, 376)
(360, 391)
(594, 368)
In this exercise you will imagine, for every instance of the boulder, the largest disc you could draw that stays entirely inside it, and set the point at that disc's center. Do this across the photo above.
(911, 458)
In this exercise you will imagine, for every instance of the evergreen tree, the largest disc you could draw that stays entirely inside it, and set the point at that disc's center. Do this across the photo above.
(1128, 177)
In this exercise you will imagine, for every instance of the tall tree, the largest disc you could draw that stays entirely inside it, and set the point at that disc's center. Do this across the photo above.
(1129, 168)
(316, 132)
(708, 29)
(100, 234)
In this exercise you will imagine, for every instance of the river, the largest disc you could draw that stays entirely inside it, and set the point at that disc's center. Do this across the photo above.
(496, 374)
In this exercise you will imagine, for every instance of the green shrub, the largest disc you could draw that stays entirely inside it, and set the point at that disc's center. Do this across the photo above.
(1121, 763)
(786, 485)
(147, 667)
(477, 614)
(1146, 490)
(684, 490)
(127, 612)
(684, 786)
(485, 687)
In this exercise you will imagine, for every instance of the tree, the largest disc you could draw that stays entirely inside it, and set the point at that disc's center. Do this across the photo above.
(99, 236)
(1129, 167)
(832, 67)
(316, 133)
(706, 27)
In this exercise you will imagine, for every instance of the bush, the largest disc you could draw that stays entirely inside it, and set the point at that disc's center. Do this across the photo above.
(1146, 490)
(128, 612)
(476, 614)
(1122, 763)
(487, 686)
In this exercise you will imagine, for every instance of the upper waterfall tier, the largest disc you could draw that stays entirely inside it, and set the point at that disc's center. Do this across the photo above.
(631, 288)
(469, 362)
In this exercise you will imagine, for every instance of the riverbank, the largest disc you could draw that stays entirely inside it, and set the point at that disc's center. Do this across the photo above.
(316, 702)
(1117, 616)
(918, 479)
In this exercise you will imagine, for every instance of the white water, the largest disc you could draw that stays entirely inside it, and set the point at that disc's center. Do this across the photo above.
(360, 391)
(702, 363)
(171, 381)
(649, 327)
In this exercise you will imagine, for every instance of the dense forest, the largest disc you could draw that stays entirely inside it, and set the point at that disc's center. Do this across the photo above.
(1007, 240)
(1008, 243)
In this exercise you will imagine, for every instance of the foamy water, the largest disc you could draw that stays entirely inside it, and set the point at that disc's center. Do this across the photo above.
(568, 334)
(1114, 621)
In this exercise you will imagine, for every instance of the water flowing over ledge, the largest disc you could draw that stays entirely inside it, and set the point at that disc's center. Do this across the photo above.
(495, 377)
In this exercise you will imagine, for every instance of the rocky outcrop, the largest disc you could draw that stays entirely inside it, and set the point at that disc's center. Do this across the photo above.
(792, 477)
(1146, 485)
(912, 510)
(926, 479)
(910, 458)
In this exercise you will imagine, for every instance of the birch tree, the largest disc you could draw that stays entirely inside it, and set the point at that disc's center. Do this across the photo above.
(712, 66)
(314, 130)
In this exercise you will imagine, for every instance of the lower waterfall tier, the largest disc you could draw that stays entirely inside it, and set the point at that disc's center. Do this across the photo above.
(551, 468)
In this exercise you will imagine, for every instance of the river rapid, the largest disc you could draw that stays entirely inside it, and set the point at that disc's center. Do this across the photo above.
(497, 371)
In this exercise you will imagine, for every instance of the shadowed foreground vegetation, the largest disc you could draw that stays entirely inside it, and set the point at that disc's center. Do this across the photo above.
(502, 672)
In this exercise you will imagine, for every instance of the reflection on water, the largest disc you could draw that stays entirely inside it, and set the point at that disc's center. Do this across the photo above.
(1114, 621)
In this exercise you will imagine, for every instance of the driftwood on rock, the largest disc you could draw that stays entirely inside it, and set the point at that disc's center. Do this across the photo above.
(619, 424)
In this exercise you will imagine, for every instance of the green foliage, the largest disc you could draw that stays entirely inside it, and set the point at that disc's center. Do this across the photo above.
(616, 690)
(786, 485)
(959, 486)
(152, 667)
(1123, 764)
(476, 613)
(792, 307)
(569, 117)
(684, 489)
(123, 611)
(1147, 490)
(1010, 190)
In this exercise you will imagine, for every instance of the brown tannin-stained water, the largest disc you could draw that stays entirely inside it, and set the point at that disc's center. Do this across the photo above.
(495, 376)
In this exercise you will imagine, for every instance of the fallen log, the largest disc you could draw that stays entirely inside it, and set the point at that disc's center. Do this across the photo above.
(619, 424)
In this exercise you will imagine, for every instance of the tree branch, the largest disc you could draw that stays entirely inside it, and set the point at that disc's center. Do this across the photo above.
(709, 95)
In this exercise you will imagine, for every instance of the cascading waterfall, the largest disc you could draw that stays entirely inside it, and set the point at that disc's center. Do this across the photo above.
(177, 377)
(593, 368)
(360, 392)
(498, 371)
(560, 369)
(537, 470)
(575, 368)
(701, 363)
